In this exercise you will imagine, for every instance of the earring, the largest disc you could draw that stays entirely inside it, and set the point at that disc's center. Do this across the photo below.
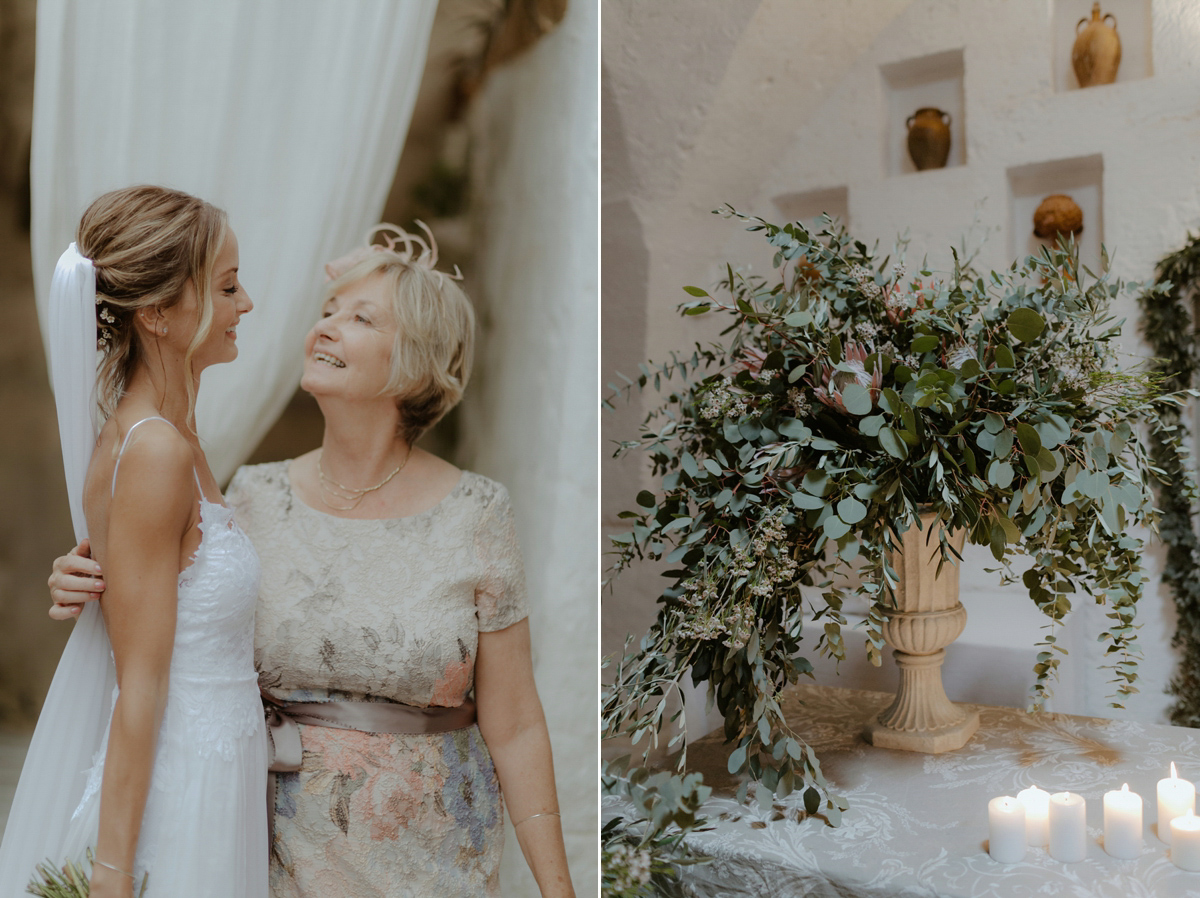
(164, 330)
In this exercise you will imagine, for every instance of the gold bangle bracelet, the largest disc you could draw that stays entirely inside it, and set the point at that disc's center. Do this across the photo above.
(543, 814)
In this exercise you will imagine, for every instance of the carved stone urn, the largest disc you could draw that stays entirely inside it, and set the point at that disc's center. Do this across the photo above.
(928, 617)
(928, 137)
(1097, 51)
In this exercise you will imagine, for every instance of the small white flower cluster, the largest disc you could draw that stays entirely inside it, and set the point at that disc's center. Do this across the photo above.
(800, 404)
(865, 278)
(739, 625)
(701, 627)
(767, 374)
(777, 569)
(698, 621)
(776, 573)
(770, 531)
(629, 867)
(866, 331)
(1074, 365)
(889, 349)
(723, 400)
(699, 594)
(897, 302)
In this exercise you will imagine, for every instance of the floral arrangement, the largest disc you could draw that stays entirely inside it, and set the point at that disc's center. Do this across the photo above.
(845, 399)
(68, 882)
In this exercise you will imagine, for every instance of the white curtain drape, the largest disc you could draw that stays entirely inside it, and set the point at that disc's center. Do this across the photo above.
(288, 114)
(530, 419)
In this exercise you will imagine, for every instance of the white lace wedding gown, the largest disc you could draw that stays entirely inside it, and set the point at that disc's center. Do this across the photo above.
(204, 832)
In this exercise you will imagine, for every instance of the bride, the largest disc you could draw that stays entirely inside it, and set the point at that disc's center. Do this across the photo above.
(176, 785)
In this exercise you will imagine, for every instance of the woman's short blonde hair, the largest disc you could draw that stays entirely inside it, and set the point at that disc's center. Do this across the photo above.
(146, 244)
(434, 345)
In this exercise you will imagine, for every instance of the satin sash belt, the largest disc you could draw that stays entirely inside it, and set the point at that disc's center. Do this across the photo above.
(285, 754)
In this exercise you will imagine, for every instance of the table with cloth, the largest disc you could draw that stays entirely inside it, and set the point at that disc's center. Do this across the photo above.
(918, 824)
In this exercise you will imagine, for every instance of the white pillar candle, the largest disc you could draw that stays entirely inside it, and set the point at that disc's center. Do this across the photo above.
(1175, 798)
(1037, 810)
(1123, 823)
(1185, 842)
(1006, 830)
(1068, 827)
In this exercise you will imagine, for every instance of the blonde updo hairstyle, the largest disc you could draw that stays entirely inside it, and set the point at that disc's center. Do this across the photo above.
(146, 244)
(434, 345)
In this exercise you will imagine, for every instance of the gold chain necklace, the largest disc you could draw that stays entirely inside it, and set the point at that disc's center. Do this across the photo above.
(350, 494)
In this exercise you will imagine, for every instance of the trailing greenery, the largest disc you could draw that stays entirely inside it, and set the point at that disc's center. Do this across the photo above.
(1170, 329)
(843, 399)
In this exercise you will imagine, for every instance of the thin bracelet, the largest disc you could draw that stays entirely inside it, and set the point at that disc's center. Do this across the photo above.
(543, 814)
(117, 869)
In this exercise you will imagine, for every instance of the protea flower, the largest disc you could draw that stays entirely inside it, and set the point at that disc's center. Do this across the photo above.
(830, 382)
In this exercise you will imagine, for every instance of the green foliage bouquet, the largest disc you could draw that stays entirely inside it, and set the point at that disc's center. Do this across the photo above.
(69, 881)
(845, 399)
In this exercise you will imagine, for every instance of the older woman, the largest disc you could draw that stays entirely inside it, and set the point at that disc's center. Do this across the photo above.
(392, 591)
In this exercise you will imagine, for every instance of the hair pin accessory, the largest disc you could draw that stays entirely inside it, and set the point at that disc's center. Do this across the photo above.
(412, 249)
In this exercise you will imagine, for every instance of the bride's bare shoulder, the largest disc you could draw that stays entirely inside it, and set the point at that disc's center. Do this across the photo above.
(152, 456)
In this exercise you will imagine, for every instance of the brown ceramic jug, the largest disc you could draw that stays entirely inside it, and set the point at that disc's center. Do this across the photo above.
(928, 137)
(1097, 51)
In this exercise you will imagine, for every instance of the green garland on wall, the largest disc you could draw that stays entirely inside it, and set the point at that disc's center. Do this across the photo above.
(1170, 328)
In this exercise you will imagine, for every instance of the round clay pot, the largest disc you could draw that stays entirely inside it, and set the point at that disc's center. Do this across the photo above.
(1057, 214)
(928, 137)
(807, 270)
(1097, 51)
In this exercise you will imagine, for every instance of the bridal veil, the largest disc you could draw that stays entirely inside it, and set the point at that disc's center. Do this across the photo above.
(73, 719)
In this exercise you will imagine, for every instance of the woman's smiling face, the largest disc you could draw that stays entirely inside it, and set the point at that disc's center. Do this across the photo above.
(348, 352)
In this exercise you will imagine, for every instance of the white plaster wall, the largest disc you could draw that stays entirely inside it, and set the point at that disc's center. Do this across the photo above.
(744, 102)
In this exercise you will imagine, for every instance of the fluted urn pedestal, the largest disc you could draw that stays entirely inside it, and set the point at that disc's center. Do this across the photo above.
(928, 617)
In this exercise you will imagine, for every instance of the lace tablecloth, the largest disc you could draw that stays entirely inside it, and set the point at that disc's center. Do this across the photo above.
(917, 824)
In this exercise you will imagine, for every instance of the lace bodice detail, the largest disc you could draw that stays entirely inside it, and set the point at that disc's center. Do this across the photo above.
(212, 700)
(388, 609)
(213, 658)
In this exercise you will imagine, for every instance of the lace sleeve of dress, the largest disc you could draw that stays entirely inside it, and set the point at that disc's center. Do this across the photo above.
(500, 596)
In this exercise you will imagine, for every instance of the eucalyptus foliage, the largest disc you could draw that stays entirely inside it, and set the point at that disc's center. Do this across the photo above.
(641, 851)
(1170, 328)
(845, 398)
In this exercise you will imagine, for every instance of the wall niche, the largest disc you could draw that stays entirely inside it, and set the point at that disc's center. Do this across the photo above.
(1134, 27)
(934, 81)
(1082, 179)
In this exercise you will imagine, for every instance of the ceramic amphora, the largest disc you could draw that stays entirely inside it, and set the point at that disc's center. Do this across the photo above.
(1097, 51)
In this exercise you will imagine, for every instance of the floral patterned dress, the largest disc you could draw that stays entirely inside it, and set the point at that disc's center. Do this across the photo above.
(382, 610)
